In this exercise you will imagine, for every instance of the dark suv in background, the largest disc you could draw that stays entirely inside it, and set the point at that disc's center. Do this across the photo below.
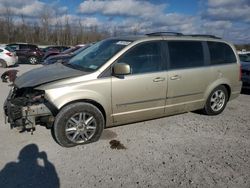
(27, 53)
(245, 66)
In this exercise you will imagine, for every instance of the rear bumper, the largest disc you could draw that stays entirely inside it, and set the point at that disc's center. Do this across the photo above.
(12, 61)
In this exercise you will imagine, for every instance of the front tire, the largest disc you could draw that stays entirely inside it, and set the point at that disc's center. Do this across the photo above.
(78, 123)
(216, 101)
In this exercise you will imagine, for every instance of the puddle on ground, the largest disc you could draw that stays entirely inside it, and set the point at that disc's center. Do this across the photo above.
(108, 134)
(116, 144)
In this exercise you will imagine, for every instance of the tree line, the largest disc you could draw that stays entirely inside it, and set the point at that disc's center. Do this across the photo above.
(41, 31)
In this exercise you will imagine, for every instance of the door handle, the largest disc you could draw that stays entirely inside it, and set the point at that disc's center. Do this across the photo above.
(175, 77)
(159, 79)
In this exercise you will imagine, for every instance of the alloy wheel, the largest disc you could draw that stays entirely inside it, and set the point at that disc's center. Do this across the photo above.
(80, 127)
(217, 100)
(33, 60)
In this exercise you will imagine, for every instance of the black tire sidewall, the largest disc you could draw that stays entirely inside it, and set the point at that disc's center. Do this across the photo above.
(67, 112)
(3, 64)
(208, 110)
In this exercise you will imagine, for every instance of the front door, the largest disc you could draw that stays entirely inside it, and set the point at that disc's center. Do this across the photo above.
(142, 94)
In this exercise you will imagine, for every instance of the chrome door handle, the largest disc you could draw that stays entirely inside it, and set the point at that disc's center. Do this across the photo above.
(175, 77)
(159, 79)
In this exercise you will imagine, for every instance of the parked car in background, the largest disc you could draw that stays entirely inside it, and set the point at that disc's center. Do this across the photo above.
(243, 51)
(53, 50)
(7, 57)
(27, 53)
(123, 80)
(245, 67)
(63, 58)
(69, 50)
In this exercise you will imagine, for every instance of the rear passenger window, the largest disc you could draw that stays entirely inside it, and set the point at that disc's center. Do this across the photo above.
(144, 58)
(220, 53)
(23, 47)
(32, 47)
(185, 54)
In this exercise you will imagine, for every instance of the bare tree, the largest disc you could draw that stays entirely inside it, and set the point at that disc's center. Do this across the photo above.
(8, 18)
(45, 23)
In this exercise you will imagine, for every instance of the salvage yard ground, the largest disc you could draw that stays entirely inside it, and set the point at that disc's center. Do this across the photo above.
(188, 150)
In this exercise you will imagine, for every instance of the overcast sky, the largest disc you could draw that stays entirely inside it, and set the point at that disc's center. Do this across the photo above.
(229, 19)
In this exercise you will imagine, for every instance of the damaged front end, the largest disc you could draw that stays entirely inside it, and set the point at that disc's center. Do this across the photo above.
(27, 107)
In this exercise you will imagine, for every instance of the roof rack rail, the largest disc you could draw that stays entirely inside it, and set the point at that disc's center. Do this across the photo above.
(164, 34)
(203, 35)
(180, 34)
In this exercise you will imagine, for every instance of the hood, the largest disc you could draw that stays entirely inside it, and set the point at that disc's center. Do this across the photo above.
(47, 74)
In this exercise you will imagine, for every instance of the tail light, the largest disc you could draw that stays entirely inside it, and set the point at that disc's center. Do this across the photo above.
(240, 74)
(9, 54)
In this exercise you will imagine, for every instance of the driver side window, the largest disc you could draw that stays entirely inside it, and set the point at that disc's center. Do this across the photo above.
(144, 58)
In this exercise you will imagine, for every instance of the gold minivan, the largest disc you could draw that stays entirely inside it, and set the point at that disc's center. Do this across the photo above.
(123, 80)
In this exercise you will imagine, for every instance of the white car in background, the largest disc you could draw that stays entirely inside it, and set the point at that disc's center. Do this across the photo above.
(7, 57)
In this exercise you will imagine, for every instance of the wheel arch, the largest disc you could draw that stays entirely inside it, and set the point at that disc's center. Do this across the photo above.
(228, 90)
(90, 101)
(3, 61)
(214, 85)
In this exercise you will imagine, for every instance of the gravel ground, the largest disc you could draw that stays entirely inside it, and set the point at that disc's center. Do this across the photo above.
(188, 150)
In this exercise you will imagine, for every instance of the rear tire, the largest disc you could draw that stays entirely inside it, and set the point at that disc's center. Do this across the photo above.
(216, 101)
(3, 64)
(33, 60)
(78, 123)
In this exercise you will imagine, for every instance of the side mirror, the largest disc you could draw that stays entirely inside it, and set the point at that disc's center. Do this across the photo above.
(121, 69)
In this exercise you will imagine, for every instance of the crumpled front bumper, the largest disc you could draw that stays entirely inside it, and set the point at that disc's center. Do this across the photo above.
(24, 116)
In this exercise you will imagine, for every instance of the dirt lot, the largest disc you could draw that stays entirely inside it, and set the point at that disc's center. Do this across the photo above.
(188, 150)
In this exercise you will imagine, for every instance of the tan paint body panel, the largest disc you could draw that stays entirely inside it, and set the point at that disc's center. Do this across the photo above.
(138, 97)
(188, 89)
(98, 90)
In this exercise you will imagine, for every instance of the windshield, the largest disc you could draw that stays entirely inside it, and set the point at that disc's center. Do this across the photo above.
(96, 55)
(244, 57)
(80, 50)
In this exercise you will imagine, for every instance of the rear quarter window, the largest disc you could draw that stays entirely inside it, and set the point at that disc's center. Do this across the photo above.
(13, 46)
(220, 53)
(9, 49)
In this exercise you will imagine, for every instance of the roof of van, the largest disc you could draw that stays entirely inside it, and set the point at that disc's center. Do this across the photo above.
(178, 36)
